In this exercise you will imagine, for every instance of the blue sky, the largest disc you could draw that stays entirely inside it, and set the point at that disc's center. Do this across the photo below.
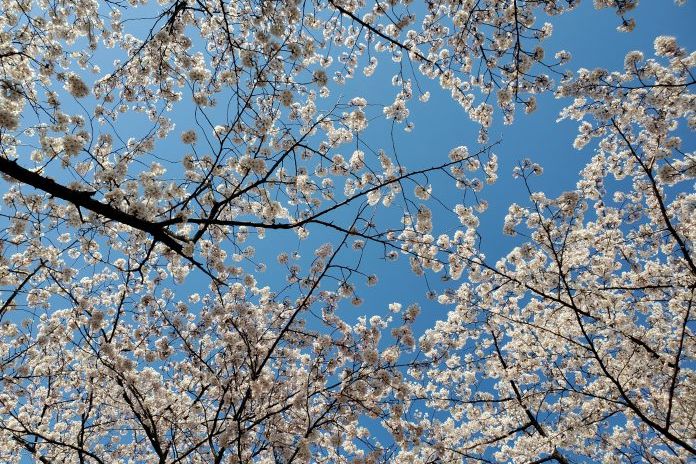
(441, 124)
(593, 40)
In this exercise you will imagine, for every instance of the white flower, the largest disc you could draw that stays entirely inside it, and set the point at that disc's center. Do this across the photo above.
(286, 98)
(189, 137)
(72, 144)
(423, 193)
(76, 86)
(666, 46)
(8, 119)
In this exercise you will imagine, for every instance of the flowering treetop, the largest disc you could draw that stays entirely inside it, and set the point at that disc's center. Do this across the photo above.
(150, 153)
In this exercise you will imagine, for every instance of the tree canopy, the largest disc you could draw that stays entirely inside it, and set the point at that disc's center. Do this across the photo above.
(195, 193)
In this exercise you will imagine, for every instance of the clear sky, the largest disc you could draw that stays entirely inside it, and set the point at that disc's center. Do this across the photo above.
(593, 41)
(441, 124)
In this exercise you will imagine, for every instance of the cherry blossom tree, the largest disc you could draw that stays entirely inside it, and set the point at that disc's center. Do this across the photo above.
(579, 343)
(159, 161)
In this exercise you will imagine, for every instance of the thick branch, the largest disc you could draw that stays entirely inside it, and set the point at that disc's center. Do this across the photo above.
(84, 200)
